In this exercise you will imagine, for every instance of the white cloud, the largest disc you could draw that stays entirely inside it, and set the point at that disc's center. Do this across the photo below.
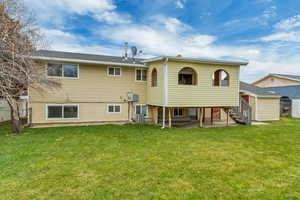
(163, 40)
(283, 36)
(112, 18)
(63, 41)
(289, 23)
(56, 11)
(179, 4)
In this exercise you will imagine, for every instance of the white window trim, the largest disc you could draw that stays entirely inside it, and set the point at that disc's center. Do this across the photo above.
(62, 75)
(220, 86)
(114, 111)
(62, 105)
(140, 108)
(107, 71)
(141, 74)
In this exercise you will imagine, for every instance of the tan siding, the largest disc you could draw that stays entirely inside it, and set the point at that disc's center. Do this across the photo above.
(155, 94)
(203, 94)
(272, 81)
(252, 103)
(268, 109)
(93, 91)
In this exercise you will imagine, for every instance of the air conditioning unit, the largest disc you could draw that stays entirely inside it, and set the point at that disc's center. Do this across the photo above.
(133, 97)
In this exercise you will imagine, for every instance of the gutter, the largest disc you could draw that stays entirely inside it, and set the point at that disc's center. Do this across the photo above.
(194, 60)
(262, 96)
(165, 73)
(87, 61)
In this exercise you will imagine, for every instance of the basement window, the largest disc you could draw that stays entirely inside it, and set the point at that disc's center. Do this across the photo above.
(114, 108)
(66, 111)
(141, 109)
(178, 112)
(55, 70)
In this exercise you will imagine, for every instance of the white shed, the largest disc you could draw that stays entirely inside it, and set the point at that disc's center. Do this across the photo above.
(296, 108)
(4, 111)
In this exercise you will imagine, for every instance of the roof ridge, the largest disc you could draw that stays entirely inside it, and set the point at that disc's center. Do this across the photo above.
(78, 53)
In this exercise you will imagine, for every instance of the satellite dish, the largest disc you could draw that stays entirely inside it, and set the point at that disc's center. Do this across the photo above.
(134, 51)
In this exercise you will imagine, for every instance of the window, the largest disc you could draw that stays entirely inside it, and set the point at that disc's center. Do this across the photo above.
(114, 108)
(114, 71)
(178, 112)
(154, 78)
(220, 78)
(67, 111)
(60, 70)
(141, 109)
(141, 75)
(187, 76)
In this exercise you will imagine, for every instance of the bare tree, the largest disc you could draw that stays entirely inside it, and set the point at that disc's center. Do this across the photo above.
(19, 40)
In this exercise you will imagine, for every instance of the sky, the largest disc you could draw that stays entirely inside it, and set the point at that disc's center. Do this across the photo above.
(264, 32)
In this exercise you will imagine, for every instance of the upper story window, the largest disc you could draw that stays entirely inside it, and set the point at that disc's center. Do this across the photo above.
(187, 76)
(154, 78)
(141, 75)
(61, 70)
(220, 78)
(114, 71)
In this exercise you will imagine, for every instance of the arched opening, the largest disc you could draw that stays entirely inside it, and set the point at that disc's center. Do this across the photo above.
(220, 78)
(154, 78)
(187, 76)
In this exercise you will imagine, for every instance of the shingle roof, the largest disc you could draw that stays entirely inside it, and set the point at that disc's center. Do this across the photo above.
(104, 59)
(292, 92)
(85, 57)
(288, 76)
(257, 90)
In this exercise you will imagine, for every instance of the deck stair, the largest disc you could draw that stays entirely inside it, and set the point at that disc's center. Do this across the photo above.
(241, 114)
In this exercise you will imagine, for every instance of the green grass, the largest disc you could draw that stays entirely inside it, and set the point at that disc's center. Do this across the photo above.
(145, 162)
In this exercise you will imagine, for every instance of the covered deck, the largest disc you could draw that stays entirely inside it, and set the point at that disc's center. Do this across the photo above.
(190, 117)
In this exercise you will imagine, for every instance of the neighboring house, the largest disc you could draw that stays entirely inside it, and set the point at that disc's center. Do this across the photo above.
(5, 114)
(276, 80)
(290, 100)
(265, 104)
(101, 89)
(4, 110)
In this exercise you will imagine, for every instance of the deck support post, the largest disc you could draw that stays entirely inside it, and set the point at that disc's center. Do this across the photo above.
(227, 118)
(212, 116)
(155, 116)
(170, 117)
(164, 117)
(200, 113)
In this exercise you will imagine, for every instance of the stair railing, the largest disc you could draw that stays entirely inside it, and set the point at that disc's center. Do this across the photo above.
(246, 111)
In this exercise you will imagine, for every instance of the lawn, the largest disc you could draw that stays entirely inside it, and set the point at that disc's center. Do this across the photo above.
(145, 162)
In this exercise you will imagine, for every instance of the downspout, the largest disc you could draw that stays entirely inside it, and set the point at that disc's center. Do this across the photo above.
(28, 108)
(165, 91)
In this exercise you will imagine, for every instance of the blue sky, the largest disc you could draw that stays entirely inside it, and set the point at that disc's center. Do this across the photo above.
(265, 32)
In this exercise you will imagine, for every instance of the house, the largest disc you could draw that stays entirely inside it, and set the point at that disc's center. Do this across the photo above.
(286, 86)
(5, 113)
(290, 99)
(4, 110)
(162, 90)
(276, 80)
